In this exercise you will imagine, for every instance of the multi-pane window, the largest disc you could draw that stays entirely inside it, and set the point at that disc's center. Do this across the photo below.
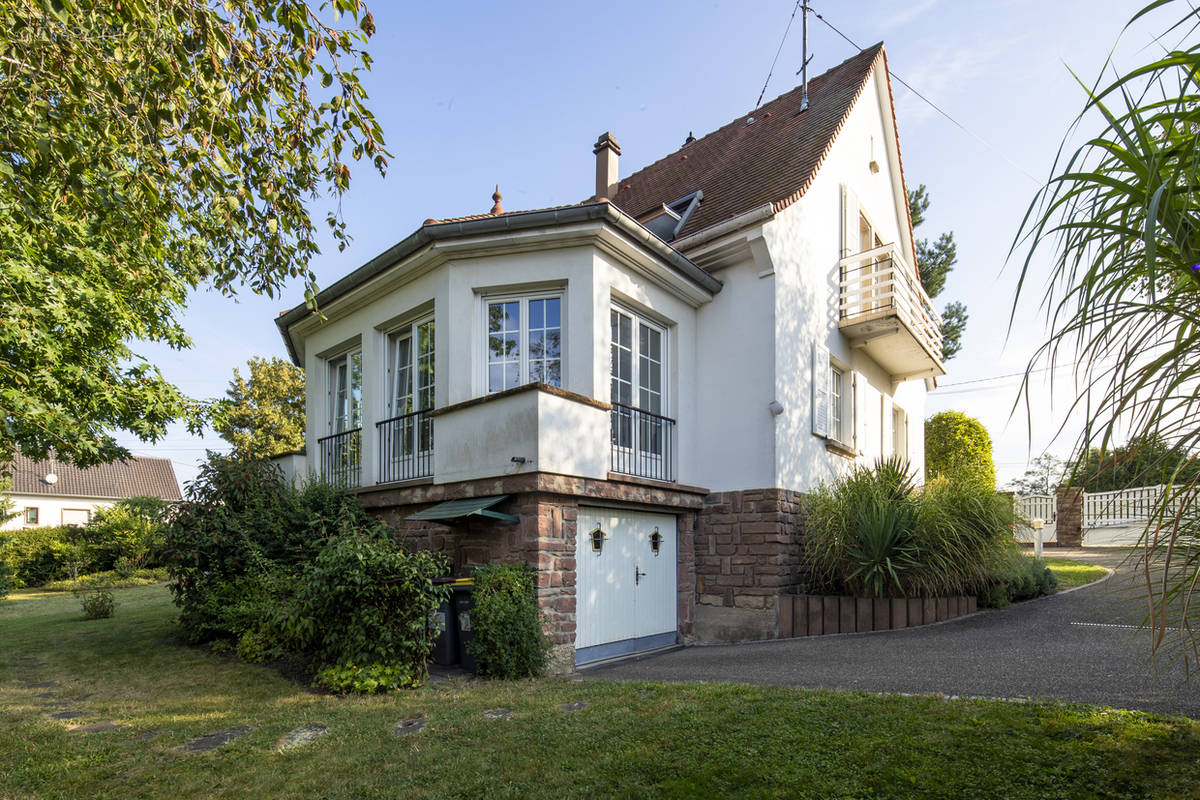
(31, 516)
(406, 438)
(640, 432)
(837, 394)
(345, 392)
(524, 341)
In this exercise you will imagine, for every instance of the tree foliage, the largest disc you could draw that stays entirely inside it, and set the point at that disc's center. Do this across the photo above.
(263, 416)
(1119, 222)
(147, 149)
(1138, 462)
(958, 447)
(935, 260)
(1044, 476)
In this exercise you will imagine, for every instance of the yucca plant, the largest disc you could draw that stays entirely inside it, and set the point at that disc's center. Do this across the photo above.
(1121, 217)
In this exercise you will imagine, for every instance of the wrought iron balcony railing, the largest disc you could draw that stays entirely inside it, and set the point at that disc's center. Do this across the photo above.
(406, 447)
(643, 443)
(341, 458)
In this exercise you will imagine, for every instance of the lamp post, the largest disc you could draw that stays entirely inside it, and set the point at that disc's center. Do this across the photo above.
(1037, 534)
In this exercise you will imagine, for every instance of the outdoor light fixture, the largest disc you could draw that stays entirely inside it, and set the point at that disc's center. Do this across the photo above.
(775, 407)
(597, 537)
(655, 541)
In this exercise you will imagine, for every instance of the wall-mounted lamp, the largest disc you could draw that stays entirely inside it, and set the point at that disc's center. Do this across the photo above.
(775, 407)
(518, 459)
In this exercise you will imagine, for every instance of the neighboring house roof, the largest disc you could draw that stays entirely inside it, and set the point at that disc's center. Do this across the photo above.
(744, 165)
(137, 477)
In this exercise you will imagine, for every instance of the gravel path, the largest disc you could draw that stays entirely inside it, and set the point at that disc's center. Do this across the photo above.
(1081, 645)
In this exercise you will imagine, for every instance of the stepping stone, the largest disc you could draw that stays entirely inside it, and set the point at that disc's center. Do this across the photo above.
(407, 726)
(98, 727)
(644, 692)
(39, 684)
(45, 694)
(58, 704)
(144, 735)
(575, 705)
(303, 735)
(68, 714)
(498, 713)
(214, 740)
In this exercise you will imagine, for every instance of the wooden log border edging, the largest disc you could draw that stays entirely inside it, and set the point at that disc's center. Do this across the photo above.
(816, 615)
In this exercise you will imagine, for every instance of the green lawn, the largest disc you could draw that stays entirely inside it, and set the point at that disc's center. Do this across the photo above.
(1074, 573)
(633, 740)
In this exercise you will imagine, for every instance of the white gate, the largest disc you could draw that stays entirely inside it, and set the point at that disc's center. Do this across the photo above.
(1031, 507)
(625, 567)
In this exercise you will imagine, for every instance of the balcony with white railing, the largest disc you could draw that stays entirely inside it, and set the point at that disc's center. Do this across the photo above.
(884, 310)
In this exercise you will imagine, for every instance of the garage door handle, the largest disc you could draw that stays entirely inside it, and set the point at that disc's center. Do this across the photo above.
(637, 575)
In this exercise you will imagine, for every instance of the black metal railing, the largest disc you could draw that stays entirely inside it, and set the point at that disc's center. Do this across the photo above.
(643, 443)
(406, 447)
(341, 458)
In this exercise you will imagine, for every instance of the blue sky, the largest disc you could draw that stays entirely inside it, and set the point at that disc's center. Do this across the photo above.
(472, 94)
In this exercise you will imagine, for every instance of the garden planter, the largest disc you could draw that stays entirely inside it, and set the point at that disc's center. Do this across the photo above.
(817, 615)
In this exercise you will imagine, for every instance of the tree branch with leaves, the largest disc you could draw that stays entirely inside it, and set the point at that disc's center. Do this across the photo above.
(935, 260)
(148, 149)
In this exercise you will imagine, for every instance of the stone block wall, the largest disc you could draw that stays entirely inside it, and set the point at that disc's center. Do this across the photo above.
(544, 537)
(747, 556)
(1069, 522)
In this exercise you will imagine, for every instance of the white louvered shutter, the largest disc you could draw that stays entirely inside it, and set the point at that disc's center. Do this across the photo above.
(820, 390)
(850, 214)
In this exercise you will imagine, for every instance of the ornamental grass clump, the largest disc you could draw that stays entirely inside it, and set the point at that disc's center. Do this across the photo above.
(873, 533)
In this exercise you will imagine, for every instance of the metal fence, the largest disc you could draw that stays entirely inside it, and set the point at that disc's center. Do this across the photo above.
(643, 443)
(341, 458)
(405, 447)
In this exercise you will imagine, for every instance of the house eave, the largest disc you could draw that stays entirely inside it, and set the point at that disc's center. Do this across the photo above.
(692, 275)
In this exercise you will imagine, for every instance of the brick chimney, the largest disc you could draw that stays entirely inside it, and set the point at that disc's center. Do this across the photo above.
(607, 150)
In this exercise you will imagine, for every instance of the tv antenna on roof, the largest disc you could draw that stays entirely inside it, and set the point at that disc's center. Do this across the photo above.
(805, 58)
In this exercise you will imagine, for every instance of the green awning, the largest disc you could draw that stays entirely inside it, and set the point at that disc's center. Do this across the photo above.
(471, 506)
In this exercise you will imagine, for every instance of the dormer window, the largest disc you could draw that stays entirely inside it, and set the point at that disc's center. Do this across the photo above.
(667, 221)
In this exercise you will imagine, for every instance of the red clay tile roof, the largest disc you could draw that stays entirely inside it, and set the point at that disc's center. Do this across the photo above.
(137, 477)
(740, 166)
(469, 217)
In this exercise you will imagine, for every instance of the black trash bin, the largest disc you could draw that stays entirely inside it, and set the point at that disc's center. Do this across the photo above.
(464, 602)
(445, 646)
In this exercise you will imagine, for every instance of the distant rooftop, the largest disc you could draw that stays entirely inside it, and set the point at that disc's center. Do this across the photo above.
(137, 477)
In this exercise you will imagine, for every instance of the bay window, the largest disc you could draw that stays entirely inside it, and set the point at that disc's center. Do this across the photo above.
(524, 340)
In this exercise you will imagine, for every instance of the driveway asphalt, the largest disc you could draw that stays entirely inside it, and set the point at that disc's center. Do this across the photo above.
(1083, 646)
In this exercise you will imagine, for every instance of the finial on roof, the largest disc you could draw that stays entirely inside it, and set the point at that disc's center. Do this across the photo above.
(691, 138)
(496, 209)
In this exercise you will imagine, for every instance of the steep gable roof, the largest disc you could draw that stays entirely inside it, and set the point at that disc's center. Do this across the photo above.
(137, 477)
(742, 166)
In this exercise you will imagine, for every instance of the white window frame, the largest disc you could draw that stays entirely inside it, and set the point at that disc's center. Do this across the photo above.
(837, 402)
(36, 515)
(409, 440)
(524, 299)
(332, 415)
(645, 459)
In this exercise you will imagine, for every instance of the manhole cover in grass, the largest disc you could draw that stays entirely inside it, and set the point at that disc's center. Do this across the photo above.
(406, 726)
(575, 705)
(498, 713)
(67, 715)
(98, 727)
(214, 740)
(303, 735)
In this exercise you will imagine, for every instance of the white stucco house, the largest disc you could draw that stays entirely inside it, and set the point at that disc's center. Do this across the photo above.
(52, 492)
(630, 393)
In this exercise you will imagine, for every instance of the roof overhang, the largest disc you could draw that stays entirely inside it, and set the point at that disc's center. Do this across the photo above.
(435, 243)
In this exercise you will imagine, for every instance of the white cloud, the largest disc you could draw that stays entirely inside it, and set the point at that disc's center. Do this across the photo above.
(907, 14)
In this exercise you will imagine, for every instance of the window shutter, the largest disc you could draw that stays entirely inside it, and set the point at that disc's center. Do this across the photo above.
(849, 221)
(820, 390)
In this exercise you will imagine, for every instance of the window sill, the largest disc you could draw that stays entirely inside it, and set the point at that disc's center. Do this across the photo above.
(837, 448)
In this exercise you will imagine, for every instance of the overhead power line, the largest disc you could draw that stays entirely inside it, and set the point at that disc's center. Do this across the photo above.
(931, 104)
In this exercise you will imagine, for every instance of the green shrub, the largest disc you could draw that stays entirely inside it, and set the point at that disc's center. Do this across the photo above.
(7, 581)
(39, 555)
(365, 600)
(132, 530)
(139, 577)
(350, 679)
(508, 640)
(963, 528)
(1015, 577)
(958, 447)
(97, 602)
